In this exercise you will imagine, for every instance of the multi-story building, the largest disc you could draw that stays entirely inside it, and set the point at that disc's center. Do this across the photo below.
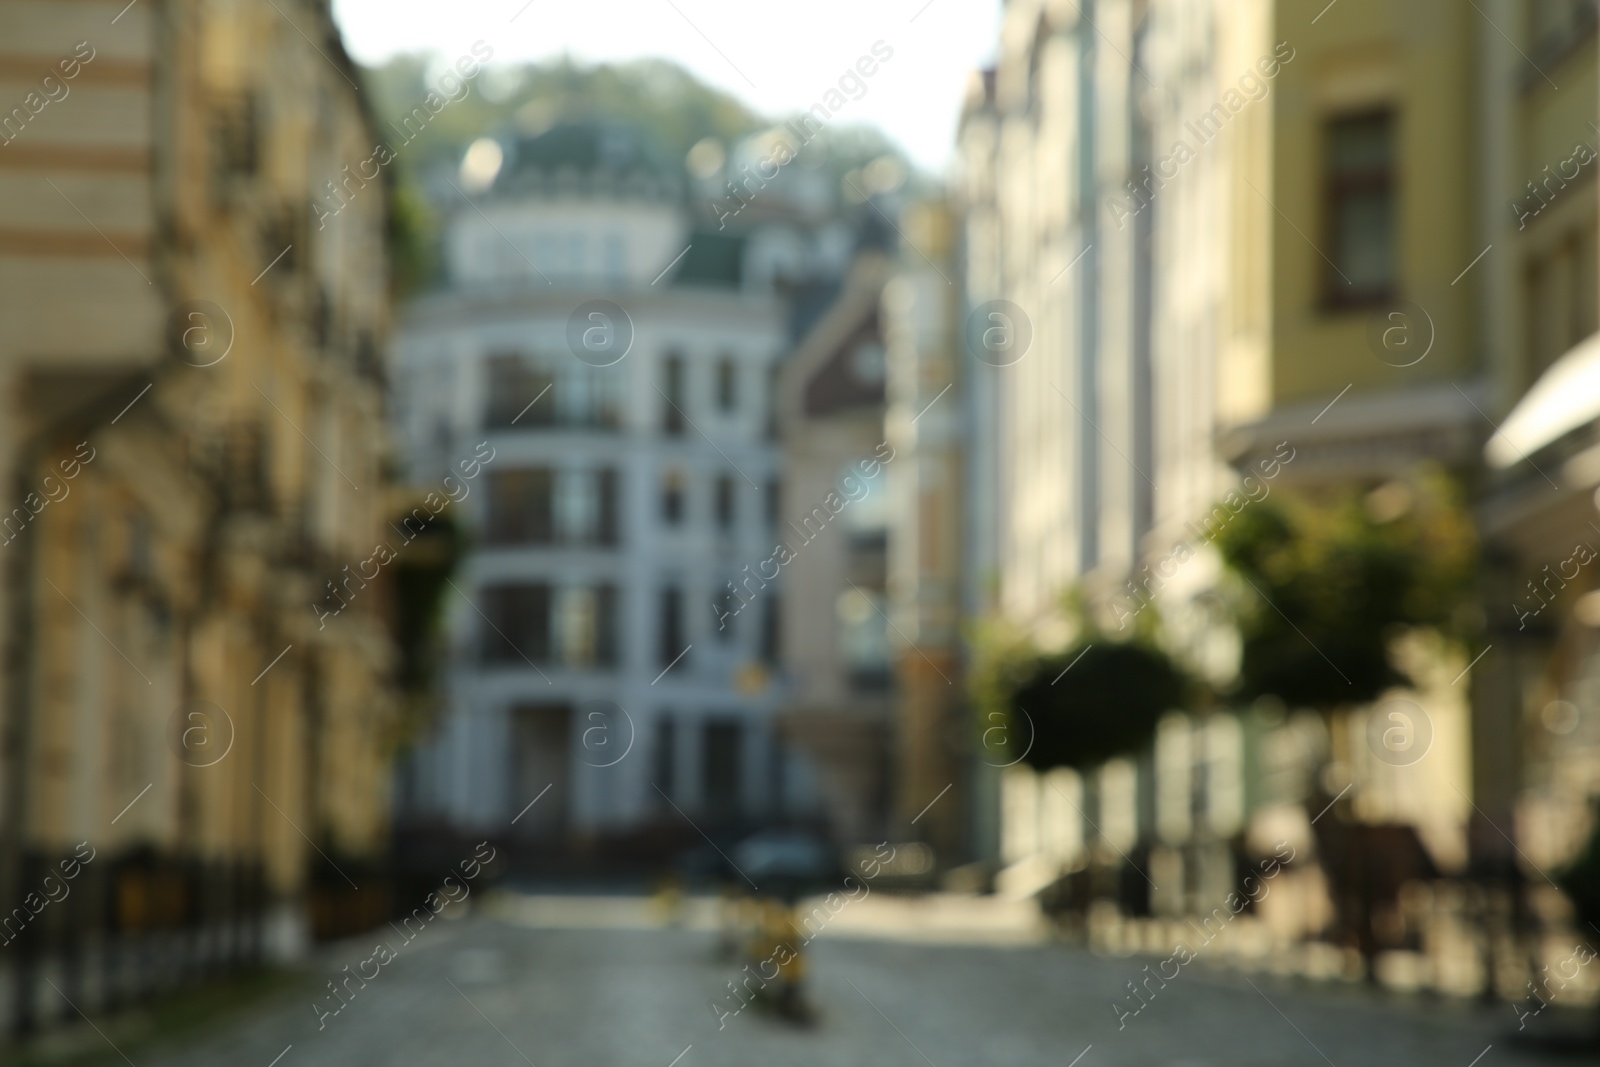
(1347, 231)
(615, 627)
(1540, 755)
(930, 425)
(835, 511)
(1089, 340)
(192, 440)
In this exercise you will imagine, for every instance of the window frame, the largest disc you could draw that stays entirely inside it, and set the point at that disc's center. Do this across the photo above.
(1335, 187)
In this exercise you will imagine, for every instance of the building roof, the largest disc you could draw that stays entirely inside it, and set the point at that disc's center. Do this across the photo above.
(590, 154)
(712, 259)
(824, 377)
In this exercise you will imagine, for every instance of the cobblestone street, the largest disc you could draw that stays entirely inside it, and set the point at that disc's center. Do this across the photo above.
(604, 987)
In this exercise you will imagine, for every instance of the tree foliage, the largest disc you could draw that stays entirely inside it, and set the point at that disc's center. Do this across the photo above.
(651, 93)
(1326, 585)
(1580, 879)
(1078, 708)
(1095, 702)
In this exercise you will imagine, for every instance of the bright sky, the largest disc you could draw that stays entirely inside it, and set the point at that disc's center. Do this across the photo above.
(776, 61)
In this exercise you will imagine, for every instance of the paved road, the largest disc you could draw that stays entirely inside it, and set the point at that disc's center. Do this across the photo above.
(602, 992)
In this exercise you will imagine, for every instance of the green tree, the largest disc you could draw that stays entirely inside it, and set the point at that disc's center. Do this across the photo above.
(1096, 700)
(1325, 586)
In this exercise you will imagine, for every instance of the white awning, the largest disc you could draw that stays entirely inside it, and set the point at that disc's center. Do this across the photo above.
(1564, 398)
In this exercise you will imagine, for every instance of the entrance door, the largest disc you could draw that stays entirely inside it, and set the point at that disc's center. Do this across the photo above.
(543, 758)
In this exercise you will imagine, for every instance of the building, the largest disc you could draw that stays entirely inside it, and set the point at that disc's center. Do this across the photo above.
(1090, 340)
(836, 507)
(1356, 234)
(193, 443)
(930, 423)
(1539, 510)
(615, 629)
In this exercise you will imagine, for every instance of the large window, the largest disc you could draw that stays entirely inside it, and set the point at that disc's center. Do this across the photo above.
(513, 384)
(672, 493)
(538, 506)
(773, 499)
(671, 642)
(727, 384)
(725, 607)
(541, 392)
(1559, 305)
(666, 755)
(771, 629)
(586, 622)
(722, 770)
(518, 628)
(607, 531)
(535, 622)
(1359, 190)
(726, 504)
(578, 507)
(673, 417)
(521, 507)
(863, 636)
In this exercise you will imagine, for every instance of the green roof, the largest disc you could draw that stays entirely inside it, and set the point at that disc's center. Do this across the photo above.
(713, 259)
(588, 148)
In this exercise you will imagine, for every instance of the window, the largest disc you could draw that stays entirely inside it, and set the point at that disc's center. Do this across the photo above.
(605, 638)
(666, 752)
(521, 507)
(725, 607)
(587, 624)
(578, 507)
(1359, 197)
(723, 769)
(864, 638)
(577, 256)
(576, 619)
(616, 264)
(518, 629)
(511, 387)
(673, 417)
(771, 629)
(774, 502)
(608, 506)
(672, 498)
(769, 403)
(727, 384)
(544, 253)
(1559, 299)
(235, 143)
(671, 645)
(725, 503)
(1558, 22)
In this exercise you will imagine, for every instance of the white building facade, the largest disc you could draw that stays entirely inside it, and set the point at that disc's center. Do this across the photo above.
(617, 370)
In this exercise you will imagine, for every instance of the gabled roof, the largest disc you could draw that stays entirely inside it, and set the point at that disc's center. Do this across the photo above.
(818, 380)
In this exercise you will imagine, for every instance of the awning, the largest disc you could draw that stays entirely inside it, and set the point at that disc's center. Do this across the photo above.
(1564, 398)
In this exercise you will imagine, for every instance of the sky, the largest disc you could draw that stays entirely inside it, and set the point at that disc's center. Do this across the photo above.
(776, 61)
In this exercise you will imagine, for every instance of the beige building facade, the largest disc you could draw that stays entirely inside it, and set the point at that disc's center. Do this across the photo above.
(192, 442)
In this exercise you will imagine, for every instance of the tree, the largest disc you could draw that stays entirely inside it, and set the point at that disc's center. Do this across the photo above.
(1097, 700)
(1327, 586)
